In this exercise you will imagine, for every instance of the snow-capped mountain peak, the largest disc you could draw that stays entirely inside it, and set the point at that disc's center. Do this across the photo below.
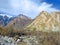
(6, 15)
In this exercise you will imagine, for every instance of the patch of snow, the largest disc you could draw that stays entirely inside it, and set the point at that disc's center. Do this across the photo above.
(6, 15)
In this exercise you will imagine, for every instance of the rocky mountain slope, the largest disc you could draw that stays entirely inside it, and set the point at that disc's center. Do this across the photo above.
(20, 22)
(46, 22)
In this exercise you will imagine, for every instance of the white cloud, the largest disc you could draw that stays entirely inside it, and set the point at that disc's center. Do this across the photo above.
(30, 8)
(47, 7)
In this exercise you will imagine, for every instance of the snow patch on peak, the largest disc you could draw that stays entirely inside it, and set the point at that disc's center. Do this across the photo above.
(6, 15)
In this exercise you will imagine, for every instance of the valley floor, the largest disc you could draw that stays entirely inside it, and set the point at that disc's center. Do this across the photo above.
(38, 38)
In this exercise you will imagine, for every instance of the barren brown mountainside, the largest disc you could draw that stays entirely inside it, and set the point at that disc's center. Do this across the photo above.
(20, 22)
(46, 22)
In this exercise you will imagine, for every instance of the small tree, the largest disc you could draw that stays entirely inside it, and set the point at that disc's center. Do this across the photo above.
(34, 28)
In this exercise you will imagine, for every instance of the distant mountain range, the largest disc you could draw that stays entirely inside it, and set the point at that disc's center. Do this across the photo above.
(18, 22)
(4, 19)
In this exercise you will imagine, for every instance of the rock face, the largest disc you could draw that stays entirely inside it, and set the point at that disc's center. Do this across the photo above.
(46, 22)
(20, 22)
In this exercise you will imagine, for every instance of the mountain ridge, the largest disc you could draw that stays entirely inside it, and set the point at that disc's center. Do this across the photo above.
(4, 20)
(46, 22)
(20, 22)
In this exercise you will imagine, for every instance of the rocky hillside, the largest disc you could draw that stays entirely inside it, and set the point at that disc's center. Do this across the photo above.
(46, 22)
(20, 22)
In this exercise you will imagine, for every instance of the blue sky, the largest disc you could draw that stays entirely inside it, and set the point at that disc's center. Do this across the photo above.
(29, 8)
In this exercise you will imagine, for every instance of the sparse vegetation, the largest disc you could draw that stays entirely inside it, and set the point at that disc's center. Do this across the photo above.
(6, 31)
